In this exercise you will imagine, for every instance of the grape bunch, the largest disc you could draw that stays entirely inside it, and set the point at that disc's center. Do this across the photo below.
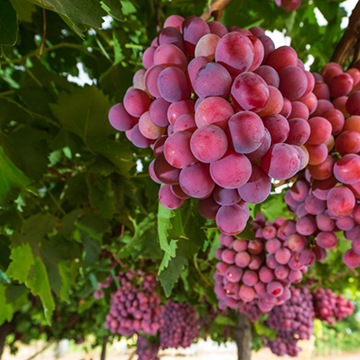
(260, 272)
(331, 307)
(135, 307)
(327, 200)
(293, 320)
(147, 350)
(288, 5)
(99, 293)
(180, 325)
(217, 105)
(251, 309)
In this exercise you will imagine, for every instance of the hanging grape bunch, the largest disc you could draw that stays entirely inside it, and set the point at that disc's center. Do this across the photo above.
(135, 306)
(326, 198)
(255, 276)
(216, 104)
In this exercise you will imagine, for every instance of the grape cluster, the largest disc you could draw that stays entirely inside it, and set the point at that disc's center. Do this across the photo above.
(288, 5)
(331, 307)
(217, 105)
(251, 309)
(135, 307)
(147, 350)
(99, 293)
(260, 272)
(293, 320)
(327, 200)
(180, 325)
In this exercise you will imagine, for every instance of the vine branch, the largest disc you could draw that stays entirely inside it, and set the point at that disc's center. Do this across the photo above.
(350, 37)
(215, 9)
(42, 46)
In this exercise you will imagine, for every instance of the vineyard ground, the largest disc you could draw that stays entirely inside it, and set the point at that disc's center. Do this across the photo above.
(201, 351)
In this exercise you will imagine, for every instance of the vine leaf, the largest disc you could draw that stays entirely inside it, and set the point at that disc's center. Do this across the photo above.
(8, 24)
(80, 15)
(12, 179)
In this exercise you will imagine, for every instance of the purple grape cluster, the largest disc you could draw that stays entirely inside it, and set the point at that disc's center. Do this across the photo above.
(331, 307)
(320, 208)
(217, 106)
(251, 309)
(261, 271)
(147, 350)
(293, 321)
(180, 325)
(135, 307)
(99, 293)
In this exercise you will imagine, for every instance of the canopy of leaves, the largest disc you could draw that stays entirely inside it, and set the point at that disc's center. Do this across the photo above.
(70, 187)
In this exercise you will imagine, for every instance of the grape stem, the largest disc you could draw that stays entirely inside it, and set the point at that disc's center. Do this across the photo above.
(350, 37)
(215, 9)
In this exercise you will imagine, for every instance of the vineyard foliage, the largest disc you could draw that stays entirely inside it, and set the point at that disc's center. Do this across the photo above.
(73, 189)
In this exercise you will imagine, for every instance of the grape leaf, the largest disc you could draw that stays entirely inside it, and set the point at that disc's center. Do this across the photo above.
(22, 261)
(84, 112)
(12, 179)
(38, 283)
(6, 312)
(8, 24)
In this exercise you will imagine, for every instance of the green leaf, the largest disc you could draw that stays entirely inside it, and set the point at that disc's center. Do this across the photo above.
(6, 312)
(101, 194)
(79, 14)
(38, 283)
(84, 112)
(24, 10)
(185, 249)
(169, 228)
(22, 262)
(113, 7)
(12, 179)
(8, 24)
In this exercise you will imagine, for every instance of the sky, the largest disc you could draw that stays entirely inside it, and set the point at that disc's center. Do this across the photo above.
(278, 37)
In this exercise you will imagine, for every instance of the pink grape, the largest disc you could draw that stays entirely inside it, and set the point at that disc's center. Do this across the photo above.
(317, 153)
(299, 110)
(194, 66)
(159, 145)
(250, 92)
(179, 108)
(348, 142)
(168, 199)
(206, 46)
(266, 275)
(250, 278)
(165, 172)
(246, 293)
(353, 104)
(272, 246)
(176, 190)
(268, 44)
(212, 79)
(195, 181)
(336, 119)
(148, 57)
(242, 259)
(171, 35)
(278, 128)
(234, 274)
(177, 150)
(351, 259)
(232, 171)
(231, 220)
(262, 149)
(217, 28)
(151, 80)
(208, 208)
(324, 170)
(341, 200)
(172, 84)
(320, 130)
(193, 30)
(174, 21)
(209, 143)
(138, 139)
(275, 288)
(283, 256)
(170, 55)
(326, 240)
(158, 112)
(347, 169)
(185, 122)
(259, 53)
(282, 57)
(152, 173)
(120, 119)
(324, 223)
(213, 111)
(341, 85)
(236, 52)
(148, 128)
(281, 162)
(269, 74)
(257, 188)
(293, 82)
(275, 103)
(226, 197)
(136, 102)
(247, 132)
